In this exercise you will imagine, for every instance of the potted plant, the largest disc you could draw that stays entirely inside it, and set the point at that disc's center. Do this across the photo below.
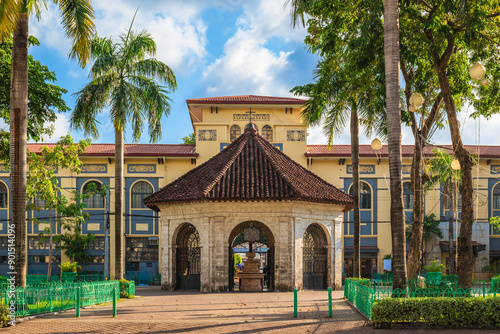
(434, 271)
(68, 270)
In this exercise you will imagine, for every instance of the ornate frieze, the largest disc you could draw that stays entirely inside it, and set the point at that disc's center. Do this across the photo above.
(3, 169)
(255, 117)
(207, 135)
(495, 169)
(363, 169)
(295, 135)
(94, 168)
(141, 168)
(406, 169)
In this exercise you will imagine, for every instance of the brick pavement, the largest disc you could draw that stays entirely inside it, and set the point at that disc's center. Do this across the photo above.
(158, 311)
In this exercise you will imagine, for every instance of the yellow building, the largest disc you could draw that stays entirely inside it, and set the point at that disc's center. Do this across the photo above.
(219, 121)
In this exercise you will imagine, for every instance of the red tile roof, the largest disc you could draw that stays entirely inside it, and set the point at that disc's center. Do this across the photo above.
(249, 169)
(142, 150)
(406, 151)
(247, 99)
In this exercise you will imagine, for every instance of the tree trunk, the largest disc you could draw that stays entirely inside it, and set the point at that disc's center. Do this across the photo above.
(391, 53)
(49, 268)
(119, 148)
(18, 141)
(451, 237)
(466, 258)
(415, 251)
(356, 261)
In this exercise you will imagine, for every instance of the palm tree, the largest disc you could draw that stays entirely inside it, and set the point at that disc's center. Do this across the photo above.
(77, 20)
(440, 166)
(345, 83)
(123, 79)
(391, 52)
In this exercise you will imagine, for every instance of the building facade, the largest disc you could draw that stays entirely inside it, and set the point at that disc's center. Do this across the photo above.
(217, 122)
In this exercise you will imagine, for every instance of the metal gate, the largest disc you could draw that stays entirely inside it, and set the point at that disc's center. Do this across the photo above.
(315, 258)
(188, 259)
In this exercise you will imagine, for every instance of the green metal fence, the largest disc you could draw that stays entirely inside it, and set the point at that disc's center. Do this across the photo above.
(363, 296)
(54, 296)
(360, 296)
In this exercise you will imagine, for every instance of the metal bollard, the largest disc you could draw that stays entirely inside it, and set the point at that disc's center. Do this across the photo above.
(114, 302)
(78, 302)
(295, 302)
(329, 302)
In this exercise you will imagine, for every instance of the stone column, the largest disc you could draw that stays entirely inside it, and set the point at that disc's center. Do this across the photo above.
(283, 255)
(298, 252)
(219, 245)
(336, 238)
(166, 254)
(203, 227)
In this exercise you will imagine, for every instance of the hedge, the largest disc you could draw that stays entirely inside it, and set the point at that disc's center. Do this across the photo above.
(438, 312)
(4, 315)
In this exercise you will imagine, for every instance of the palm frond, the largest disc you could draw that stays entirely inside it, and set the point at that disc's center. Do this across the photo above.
(78, 22)
(137, 46)
(36, 6)
(9, 13)
(153, 68)
(91, 100)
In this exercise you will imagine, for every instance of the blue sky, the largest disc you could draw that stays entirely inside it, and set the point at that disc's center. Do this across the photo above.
(216, 48)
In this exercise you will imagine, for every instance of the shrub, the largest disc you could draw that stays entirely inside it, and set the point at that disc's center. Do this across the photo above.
(440, 311)
(69, 267)
(435, 267)
(362, 281)
(125, 288)
(4, 315)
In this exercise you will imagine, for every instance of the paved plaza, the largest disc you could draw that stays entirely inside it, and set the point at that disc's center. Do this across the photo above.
(157, 311)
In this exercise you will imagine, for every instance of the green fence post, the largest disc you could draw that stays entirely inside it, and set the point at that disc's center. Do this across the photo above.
(78, 304)
(114, 302)
(329, 302)
(295, 302)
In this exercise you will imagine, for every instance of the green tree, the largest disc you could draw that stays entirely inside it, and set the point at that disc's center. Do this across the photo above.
(43, 182)
(72, 218)
(123, 79)
(190, 139)
(430, 228)
(442, 174)
(44, 97)
(77, 20)
(456, 34)
(345, 81)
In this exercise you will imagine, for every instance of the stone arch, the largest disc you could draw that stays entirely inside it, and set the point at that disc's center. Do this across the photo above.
(266, 237)
(315, 257)
(187, 257)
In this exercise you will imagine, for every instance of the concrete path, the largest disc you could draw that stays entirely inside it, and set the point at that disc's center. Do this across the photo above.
(157, 311)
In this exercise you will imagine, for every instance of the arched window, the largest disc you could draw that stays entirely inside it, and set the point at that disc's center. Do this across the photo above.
(95, 201)
(407, 196)
(4, 195)
(267, 133)
(254, 126)
(496, 197)
(234, 132)
(140, 190)
(365, 195)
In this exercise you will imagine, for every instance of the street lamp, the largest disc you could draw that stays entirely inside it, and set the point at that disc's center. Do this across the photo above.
(416, 101)
(477, 71)
(376, 144)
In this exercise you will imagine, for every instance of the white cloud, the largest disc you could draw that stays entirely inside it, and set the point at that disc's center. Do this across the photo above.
(61, 128)
(175, 26)
(247, 67)
(250, 63)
